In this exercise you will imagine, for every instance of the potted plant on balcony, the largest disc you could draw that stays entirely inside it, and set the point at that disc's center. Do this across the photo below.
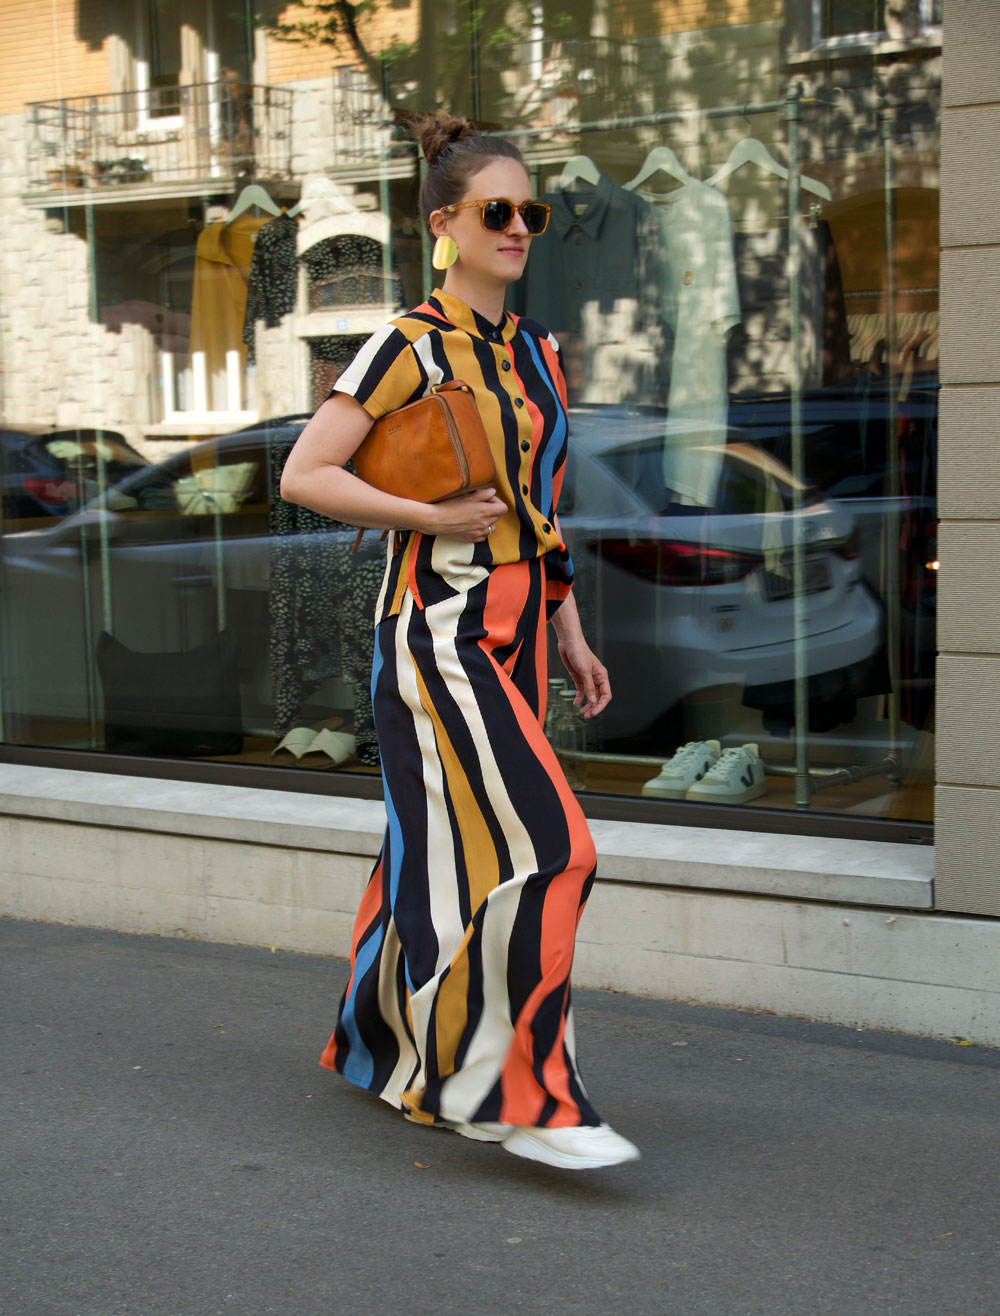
(125, 169)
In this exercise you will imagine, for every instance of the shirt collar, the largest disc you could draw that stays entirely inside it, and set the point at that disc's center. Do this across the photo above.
(597, 202)
(464, 317)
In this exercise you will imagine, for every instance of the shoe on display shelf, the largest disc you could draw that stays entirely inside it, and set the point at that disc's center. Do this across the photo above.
(581, 1147)
(679, 773)
(737, 777)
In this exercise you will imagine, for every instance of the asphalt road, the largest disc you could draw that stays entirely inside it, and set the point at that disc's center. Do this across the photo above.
(173, 1149)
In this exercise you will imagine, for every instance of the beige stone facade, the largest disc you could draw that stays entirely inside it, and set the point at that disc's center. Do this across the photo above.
(967, 802)
(58, 367)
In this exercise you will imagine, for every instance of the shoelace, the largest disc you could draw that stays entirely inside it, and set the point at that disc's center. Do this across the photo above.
(729, 764)
(689, 751)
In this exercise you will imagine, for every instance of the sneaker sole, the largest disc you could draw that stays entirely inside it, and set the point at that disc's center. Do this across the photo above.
(665, 792)
(725, 797)
(521, 1143)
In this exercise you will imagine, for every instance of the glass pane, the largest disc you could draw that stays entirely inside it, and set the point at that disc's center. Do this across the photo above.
(751, 371)
(843, 18)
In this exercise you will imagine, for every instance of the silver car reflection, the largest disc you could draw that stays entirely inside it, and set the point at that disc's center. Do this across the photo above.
(676, 599)
(682, 598)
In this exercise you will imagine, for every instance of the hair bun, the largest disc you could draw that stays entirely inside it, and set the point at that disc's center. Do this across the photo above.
(436, 132)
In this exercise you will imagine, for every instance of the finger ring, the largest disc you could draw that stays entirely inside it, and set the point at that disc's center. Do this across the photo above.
(490, 529)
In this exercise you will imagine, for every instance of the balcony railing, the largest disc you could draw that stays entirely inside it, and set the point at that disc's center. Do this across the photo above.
(161, 138)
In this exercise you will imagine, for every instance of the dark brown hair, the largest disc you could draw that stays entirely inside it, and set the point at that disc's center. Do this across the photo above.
(454, 150)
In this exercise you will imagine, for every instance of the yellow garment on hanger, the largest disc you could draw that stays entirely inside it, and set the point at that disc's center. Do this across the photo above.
(221, 276)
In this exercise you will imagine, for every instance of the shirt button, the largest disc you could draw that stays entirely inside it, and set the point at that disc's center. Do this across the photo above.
(525, 445)
(524, 488)
(519, 402)
(579, 242)
(546, 527)
(504, 365)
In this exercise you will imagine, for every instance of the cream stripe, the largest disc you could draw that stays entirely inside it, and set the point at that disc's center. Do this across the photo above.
(350, 379)
(385, 578)
(451, 559)
(439, 860)
(423, 351)
(388, 1001)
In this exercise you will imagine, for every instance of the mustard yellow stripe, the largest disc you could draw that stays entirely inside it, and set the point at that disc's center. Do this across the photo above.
(451, 1008)
(477, 844)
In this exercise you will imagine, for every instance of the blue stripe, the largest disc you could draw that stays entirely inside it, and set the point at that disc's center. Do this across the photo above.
(359, 1067)
(394, 849)
(556, 439)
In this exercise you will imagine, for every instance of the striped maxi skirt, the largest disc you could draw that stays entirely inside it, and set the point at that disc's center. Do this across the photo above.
(458, 1003)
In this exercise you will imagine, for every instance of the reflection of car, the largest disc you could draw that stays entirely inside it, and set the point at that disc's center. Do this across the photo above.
(56, 472)
(680, 599)
(846, 434)
(850, 435)
(685, 598)
(162, 560)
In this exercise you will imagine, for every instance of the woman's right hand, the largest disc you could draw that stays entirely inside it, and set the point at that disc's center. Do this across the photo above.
(471, 517)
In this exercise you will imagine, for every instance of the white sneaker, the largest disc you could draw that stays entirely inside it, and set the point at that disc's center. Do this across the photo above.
(737, 777)
(687, 766)
(582, 1147)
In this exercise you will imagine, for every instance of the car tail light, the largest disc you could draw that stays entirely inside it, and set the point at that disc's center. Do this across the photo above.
(669, 563)
(850, 548)
(54, 493)
(921, 568)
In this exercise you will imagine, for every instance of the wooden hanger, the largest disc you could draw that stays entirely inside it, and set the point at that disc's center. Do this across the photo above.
(661, 159)
(252, 195)
(751, 151)
(581, 166)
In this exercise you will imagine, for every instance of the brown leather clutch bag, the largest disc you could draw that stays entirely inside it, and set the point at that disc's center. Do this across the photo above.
(430, 450)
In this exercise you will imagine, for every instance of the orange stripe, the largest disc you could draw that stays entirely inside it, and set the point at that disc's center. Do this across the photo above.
(505, 599)
(410, 573)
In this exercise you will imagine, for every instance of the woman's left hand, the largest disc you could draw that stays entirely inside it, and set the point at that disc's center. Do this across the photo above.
(588, 674)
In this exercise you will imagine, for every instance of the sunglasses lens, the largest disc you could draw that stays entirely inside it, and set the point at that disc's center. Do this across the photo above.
(535, 216)
(497, 215)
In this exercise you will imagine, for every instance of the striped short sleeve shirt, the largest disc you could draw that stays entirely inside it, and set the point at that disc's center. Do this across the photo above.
(515, 372)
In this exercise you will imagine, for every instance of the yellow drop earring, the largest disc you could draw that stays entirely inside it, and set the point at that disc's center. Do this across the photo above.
(445, 252)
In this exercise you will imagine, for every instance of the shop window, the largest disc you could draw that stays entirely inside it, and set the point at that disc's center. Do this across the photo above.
(751, 370)
(852, 20)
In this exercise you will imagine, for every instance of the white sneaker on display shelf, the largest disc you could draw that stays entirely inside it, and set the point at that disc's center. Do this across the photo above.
(687, 766)
(738, 776)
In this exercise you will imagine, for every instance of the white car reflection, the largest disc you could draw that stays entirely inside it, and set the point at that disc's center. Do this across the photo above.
(682, 598)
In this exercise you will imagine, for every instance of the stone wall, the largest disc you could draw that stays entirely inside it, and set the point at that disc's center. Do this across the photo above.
(57, 367)
(967, 803)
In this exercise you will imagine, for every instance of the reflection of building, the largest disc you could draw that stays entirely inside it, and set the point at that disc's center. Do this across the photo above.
(150, 136)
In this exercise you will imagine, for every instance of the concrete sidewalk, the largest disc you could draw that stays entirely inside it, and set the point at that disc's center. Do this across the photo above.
(173, 1149)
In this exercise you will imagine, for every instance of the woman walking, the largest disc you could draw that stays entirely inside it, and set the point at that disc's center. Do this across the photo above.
(458, 1006)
